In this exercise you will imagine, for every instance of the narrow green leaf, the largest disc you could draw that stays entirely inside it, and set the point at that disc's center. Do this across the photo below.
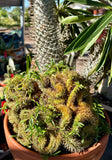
(110, 55)
(76, 29)
(110, 77)
(80, 42)
(70, 47)
(77, 11)
(56, 153)
(77, 19)
(24, 120)
(87, 38)
(27, 64)
(38, 66)
(83, 11)
(91, 41)
(72, 11)
(103, 56)
(99, 81)
(84, 25)
(90, 44)
(13, 136)
(91, 3)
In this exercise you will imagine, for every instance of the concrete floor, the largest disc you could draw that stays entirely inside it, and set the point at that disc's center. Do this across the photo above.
(108, 152)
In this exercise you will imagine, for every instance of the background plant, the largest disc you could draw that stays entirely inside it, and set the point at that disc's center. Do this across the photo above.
(11, 17)
(88, 37)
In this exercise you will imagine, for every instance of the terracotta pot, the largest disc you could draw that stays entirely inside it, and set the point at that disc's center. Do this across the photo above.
(21, 153)
(95, 11)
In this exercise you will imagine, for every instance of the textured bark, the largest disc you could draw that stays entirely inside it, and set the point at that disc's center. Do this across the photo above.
(93, 59)
(46, 32)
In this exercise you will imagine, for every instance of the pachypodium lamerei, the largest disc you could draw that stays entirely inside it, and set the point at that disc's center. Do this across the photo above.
(47, 32)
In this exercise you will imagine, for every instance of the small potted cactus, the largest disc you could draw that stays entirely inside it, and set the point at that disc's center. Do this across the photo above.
(53, 113)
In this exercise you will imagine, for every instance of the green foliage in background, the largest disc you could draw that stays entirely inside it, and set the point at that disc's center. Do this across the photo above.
(15, 14)
(12, 18)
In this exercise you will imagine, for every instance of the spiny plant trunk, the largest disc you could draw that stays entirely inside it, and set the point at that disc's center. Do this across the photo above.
(91, 61)
(46, 32)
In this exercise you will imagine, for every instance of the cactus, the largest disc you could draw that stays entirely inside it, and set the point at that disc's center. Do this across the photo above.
(52, 111)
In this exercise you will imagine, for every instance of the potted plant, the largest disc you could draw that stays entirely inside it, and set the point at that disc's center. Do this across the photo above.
(53, 113)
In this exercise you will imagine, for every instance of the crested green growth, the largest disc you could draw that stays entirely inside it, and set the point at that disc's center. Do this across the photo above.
(53, 110)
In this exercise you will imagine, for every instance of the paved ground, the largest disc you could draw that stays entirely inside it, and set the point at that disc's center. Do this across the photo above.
(108, 152)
